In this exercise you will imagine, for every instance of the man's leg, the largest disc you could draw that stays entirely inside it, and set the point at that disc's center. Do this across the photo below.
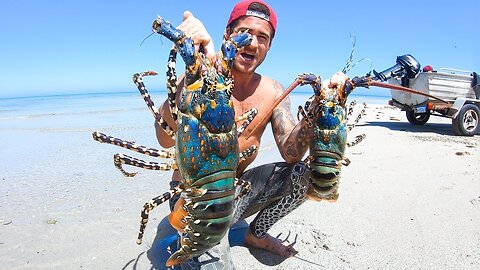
(283, 191)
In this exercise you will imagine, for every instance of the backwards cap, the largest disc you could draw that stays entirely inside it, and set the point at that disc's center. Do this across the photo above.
(427, 68)
(242, 8)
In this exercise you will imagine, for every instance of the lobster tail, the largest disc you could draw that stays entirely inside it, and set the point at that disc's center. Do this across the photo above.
(179, 256)
(325, 168)
(204, 216)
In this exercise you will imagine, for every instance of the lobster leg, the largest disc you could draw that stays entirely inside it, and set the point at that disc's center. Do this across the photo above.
(357, 140)
(172, 83)
(248, 152)
(103, 138)
(304, 115)
(245, 187)
(248, 118)
(138, 80)
(150, 205)
(350, 108)
(119, 159)
(359, 116)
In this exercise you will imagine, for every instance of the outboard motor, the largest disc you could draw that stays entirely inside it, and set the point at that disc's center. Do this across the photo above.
(406, 65)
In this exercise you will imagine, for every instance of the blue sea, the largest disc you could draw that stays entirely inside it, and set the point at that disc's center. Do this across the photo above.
(38, 131)
(70, 110)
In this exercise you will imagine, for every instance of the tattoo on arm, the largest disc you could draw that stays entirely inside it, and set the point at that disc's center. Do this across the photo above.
(291, 139)
(298, 141)
(282, 121)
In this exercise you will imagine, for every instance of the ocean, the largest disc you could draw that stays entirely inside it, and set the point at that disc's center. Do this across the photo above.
(41, 130)
(80, 110)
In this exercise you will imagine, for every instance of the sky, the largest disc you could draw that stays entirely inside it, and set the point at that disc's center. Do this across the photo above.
(68, 47)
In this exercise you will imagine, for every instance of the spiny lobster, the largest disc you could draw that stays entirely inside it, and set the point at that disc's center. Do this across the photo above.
(326, 115)
(206, 150)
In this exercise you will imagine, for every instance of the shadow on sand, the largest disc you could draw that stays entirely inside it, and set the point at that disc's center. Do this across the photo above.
(236, 238)
(165, 243)
(438, 128)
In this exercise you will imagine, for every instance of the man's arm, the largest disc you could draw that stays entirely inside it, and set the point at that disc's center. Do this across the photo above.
(292, 139)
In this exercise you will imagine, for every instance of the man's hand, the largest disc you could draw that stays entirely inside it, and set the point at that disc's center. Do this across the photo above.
(194, 28)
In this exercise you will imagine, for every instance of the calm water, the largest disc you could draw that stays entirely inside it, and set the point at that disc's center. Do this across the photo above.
(74, 105)
(73, 111)
(36, 132)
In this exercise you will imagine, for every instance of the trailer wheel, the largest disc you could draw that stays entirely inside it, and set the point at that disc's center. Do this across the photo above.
(467, 122)
(417, 118)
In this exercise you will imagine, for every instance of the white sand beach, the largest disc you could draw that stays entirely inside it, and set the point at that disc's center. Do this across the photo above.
(410, 198)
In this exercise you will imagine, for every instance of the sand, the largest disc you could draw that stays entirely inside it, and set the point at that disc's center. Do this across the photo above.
(410, 199)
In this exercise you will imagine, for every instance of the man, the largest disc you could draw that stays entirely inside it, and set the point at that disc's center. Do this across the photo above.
(277, 189)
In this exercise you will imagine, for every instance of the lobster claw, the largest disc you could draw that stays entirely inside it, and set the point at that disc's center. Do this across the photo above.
(231, 46)
(166, 29)
(311, 79)
(363, 81)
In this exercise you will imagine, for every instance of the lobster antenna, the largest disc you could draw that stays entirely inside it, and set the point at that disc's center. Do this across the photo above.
(305, 260)
(275, 104)
(367, 59)
(141, 43)
(401, 88)
(347, 67)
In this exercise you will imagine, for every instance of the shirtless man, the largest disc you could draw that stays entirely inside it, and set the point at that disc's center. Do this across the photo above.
(278, 188)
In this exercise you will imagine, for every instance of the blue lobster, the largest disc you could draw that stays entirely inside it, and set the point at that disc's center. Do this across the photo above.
(326, 115)
(206, 148)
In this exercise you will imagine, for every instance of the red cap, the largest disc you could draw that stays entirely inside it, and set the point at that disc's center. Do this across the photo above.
(241, 9)
(427, 68)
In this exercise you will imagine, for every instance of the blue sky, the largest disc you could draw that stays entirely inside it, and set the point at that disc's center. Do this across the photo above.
(58, 47)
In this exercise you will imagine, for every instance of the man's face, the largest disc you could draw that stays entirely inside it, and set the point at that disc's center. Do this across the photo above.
(250, 57)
